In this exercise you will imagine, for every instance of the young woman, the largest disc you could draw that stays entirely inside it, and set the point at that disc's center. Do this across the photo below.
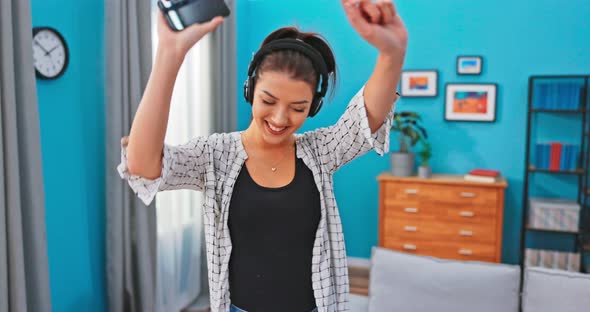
(273, 231)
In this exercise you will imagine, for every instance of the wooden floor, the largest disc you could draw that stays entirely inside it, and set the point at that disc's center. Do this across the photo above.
(359, 280)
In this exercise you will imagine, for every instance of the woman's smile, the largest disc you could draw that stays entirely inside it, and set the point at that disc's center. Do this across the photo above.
(275, 130)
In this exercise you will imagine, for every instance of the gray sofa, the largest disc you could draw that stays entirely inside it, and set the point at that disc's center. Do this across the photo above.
(403, 282)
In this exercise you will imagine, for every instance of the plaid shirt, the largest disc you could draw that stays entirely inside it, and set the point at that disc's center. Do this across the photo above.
(212, 164)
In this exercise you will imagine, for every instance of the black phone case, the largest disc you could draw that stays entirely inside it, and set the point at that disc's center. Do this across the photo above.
(193, 11)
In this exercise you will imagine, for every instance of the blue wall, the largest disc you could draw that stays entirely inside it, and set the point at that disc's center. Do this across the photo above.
(516, 38)
(72, 135)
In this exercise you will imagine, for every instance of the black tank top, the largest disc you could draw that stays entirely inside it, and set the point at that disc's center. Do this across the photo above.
(272, 232)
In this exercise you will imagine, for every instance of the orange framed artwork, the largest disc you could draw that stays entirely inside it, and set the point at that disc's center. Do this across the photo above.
(470, 102)
(419, 83)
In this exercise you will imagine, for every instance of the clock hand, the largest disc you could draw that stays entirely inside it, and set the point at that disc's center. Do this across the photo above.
(40, 46)
(47, 53)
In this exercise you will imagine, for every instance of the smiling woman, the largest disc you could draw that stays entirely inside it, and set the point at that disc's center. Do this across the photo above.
(273, 230)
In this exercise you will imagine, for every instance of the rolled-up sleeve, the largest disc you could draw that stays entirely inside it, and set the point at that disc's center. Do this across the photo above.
(183, 167)
(351, 136)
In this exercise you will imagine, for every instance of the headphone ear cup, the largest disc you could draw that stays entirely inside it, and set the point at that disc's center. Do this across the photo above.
(246, 89)
(249, 90)
(316, 105)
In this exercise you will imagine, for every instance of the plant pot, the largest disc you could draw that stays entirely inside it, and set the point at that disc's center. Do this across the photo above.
(424, 172)
(402, 164)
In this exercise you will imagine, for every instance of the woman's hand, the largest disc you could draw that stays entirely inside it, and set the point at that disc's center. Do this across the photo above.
(181, 41)
(380, 25)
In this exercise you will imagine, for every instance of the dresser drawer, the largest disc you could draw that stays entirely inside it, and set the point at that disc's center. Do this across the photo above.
(446, 250)
(403, 208)
(405, 191)
(442, 212)
(479, 196)
(468, 213)
(428, 230)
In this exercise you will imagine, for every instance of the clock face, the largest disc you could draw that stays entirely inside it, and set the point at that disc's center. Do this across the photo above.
(50, 53)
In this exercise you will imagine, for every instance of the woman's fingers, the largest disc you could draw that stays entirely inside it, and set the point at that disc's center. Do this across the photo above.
(371, 11)
(353, 12)
(387, 11)
(207, 27)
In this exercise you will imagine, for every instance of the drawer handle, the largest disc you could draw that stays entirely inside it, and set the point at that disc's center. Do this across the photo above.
(465, 233)
(409, 247)
(411, 191)
(467, 214)
(465, 252)
(467, 194)
(411, 210)
(408, 228)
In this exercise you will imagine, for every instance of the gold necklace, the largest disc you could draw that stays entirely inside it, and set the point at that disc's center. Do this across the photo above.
(274, 167)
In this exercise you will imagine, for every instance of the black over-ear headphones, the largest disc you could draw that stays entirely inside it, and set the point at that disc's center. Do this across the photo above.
(297, 45)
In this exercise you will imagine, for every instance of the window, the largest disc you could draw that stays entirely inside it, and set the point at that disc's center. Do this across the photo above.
(179, 213)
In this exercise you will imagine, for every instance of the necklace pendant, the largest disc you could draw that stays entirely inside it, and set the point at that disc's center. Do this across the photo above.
(273, 169)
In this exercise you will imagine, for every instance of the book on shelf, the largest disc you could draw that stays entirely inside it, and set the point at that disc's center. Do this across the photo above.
(483, 175)
(556, 156)
(557, 96)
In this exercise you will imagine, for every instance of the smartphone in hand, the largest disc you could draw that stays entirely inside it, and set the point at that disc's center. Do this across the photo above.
(182, 13)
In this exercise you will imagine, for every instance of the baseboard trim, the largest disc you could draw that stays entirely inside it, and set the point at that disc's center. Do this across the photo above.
(359, 262)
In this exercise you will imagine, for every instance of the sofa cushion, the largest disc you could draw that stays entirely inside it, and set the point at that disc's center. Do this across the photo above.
(359, 303)
(404, 282)
(555, 290)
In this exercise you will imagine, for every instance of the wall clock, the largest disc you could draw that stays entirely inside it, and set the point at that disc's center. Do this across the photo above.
(50, 53)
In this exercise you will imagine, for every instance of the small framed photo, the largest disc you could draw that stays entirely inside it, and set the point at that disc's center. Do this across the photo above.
(469, 65)
(419, 83)
(470, 102)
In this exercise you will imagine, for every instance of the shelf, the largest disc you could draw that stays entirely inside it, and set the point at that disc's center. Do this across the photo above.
(558, 111)
(529, 228)
(575, 172)
(586, 247)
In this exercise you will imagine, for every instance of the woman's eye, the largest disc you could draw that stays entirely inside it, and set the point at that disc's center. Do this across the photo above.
(267, 102)
(300, 110)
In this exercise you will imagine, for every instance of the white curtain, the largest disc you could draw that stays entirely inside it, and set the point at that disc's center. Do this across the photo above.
(179, 212)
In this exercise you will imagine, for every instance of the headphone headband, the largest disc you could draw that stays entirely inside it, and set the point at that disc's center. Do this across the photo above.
(297, 45)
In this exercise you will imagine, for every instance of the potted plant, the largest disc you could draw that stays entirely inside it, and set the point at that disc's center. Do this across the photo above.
(410, 132)
(424, 170)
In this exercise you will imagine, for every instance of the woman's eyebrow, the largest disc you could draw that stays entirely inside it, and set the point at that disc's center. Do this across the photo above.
(276, 98)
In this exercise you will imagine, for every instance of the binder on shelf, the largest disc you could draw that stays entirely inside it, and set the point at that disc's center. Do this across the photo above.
(557, 96)
(566, 157)
(546, 155)
(555, 156)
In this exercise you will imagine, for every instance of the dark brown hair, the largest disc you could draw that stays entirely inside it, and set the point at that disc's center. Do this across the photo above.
(296, 63)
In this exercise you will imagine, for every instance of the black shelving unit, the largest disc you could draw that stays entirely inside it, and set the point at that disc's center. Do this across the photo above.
(584, 239)
(582, 173)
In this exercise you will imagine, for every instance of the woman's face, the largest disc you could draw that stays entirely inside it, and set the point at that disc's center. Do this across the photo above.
(281, 105)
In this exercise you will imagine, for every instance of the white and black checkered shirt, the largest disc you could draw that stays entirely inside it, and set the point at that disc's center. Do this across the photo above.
(212, 164)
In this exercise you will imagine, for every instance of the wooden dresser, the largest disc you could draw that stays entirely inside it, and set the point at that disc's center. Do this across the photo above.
(443, 216)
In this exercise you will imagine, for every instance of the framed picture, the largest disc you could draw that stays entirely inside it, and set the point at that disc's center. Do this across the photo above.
(469, 65)
(470, 102)
(419, 83)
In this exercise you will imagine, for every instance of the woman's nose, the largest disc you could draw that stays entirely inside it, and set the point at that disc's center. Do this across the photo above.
(280, 117)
